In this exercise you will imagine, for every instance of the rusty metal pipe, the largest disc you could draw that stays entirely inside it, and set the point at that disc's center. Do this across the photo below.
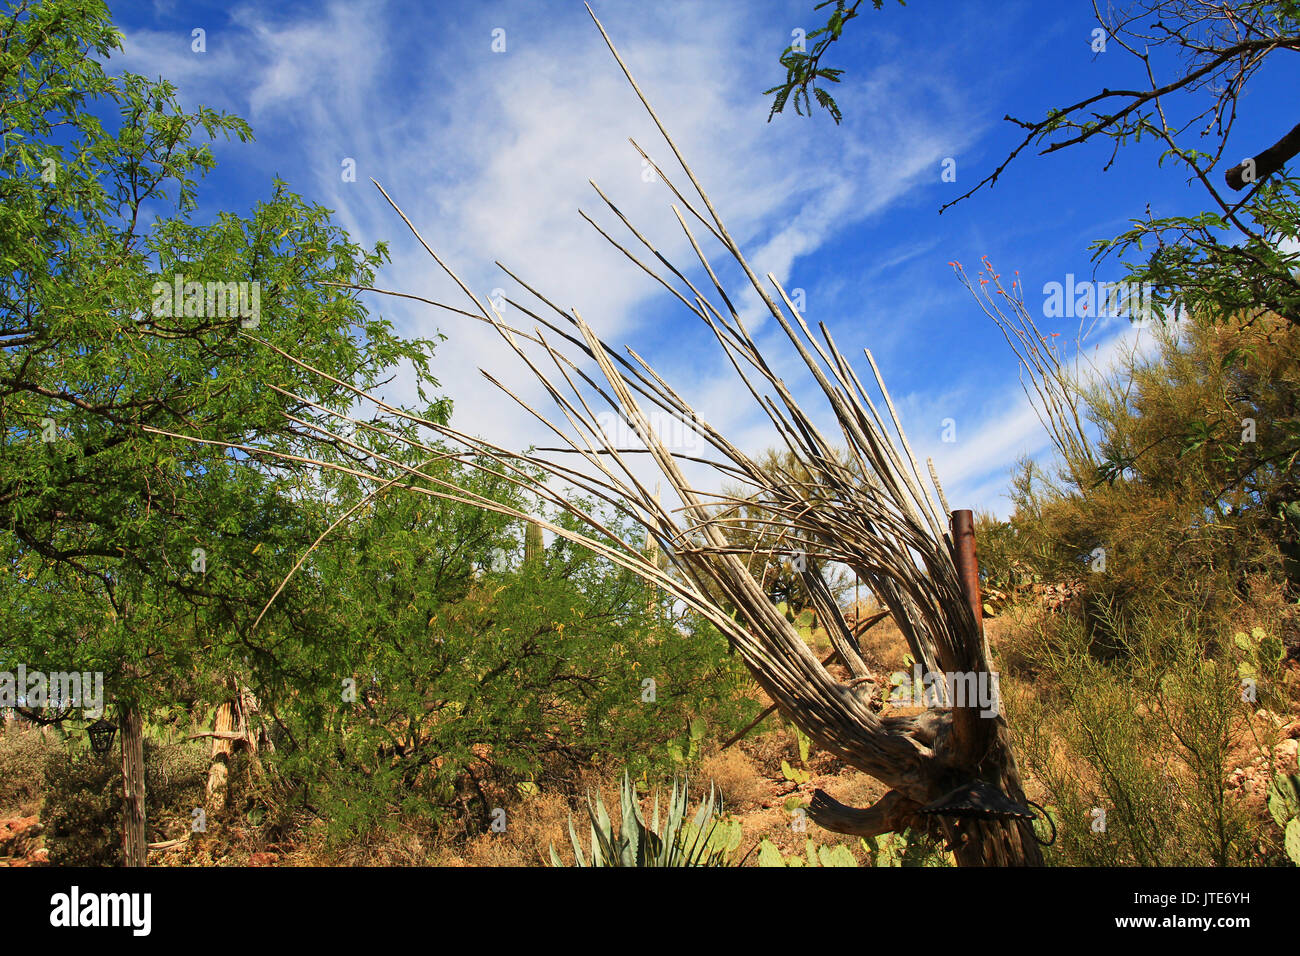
(964, 557)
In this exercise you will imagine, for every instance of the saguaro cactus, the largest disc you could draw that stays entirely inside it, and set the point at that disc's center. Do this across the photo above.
(533, 546)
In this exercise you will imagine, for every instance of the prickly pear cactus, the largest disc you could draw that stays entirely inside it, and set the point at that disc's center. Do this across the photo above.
(1284, 807)
(770, 855)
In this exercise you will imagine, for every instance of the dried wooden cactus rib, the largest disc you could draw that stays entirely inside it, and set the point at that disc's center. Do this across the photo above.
(876, 515)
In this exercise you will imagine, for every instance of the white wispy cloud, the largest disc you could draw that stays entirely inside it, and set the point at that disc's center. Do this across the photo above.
(490, 153)
(999, 426)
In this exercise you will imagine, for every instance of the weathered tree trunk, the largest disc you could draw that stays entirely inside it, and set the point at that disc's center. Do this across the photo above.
(233, 727)
(966, 745)
(219, 767)
(995, 842)
(134, 846)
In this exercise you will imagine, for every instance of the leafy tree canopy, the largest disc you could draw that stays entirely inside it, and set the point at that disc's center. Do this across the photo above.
(122, 316)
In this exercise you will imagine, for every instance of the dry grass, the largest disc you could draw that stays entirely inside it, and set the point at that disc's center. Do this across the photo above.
(531, 828)
(736, 776)
(882, 645)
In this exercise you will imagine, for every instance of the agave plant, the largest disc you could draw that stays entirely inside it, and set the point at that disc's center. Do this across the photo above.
(706, 841)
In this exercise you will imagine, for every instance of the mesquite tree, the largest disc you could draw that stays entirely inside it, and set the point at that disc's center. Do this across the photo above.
(141, 559)
(875, 512)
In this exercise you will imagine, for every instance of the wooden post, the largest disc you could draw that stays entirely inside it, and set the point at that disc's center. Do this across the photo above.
(134, 846)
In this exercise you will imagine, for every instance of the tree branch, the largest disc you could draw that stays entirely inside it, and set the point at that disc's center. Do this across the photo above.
(892, 813)
(1266, 163)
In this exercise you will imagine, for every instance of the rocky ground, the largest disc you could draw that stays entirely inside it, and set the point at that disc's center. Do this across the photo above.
(21, 842)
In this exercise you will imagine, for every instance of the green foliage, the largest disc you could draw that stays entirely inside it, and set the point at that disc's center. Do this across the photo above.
(793, 774)
(1284, 798)
(769, 855)
(1005, 572)
(1183, 532)
(1261, 655)
(804, 67)
(1195, 259)
(22, 767)
(805, 745)
(705, 840)
(471, 681)
(122, 550)
(798, 775)
(686, 748)
(908, 848)
(1213, 424)
(1135, 748)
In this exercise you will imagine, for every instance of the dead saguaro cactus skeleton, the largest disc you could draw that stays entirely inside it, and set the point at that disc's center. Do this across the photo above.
(877, 515)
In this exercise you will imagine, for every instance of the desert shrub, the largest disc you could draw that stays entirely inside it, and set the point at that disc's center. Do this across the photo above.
(83, 799)
(82, 811)
(22, 767)
(520, 678)
(1134, 750)
(1182, 493)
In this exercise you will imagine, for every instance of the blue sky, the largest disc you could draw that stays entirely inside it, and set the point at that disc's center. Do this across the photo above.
(489, 153)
